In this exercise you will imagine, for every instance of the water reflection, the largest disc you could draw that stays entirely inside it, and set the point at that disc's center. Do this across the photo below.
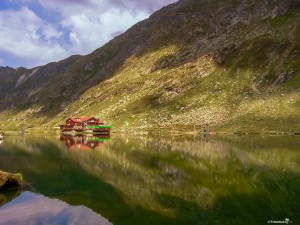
(7, 196)
(84, 142)
(174, 176)
(34, 209)
(166, 180)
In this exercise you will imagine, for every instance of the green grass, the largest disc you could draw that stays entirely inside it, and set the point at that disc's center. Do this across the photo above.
(157, 88)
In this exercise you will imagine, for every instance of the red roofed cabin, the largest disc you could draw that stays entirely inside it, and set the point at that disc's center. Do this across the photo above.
(84, 124)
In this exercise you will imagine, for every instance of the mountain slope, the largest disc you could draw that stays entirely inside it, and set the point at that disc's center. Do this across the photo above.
(231, 65)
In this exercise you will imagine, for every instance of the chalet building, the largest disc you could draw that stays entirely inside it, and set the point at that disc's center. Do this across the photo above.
(80, 124)
(84, 121)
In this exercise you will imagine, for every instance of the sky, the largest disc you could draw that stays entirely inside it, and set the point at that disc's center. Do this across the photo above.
(36, 32)
(31, 208)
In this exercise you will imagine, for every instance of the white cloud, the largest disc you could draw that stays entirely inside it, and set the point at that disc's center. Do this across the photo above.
(83, 26)
(30, 208)
(25, 35)
(50, 32)
(91, 31)
(92, 23)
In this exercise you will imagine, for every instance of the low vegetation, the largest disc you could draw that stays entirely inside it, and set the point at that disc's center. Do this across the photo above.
(233, 71)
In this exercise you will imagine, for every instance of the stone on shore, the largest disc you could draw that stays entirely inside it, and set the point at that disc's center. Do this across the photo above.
(9, 180)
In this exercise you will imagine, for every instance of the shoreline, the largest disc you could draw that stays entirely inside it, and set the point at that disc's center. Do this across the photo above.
(162, 131)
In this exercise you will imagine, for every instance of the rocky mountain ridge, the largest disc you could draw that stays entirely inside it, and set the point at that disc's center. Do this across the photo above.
(192, 63)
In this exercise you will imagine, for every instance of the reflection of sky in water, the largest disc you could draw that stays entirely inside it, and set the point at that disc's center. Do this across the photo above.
(33, 209)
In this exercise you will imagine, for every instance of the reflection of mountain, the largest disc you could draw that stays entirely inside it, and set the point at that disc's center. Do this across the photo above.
(166, 180)
(83, 142)
(30, 208)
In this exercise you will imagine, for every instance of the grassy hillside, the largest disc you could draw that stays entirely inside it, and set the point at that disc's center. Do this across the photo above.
(230, 66)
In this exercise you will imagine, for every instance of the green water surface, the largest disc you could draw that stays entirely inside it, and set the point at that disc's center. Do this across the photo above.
(156, 180)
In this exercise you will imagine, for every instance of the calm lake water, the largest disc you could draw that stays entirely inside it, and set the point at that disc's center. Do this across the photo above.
(152, 180)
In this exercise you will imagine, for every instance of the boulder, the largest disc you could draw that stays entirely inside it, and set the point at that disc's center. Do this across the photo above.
(9, 180)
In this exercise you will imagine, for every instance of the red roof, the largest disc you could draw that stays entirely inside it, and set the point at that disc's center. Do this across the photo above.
(84, 119)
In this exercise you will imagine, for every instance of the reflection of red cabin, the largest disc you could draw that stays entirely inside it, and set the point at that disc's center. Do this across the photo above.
(83, 124)
(81, 142)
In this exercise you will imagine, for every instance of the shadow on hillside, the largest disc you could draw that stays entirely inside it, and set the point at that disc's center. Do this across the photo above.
(194, 27)
(263, 53)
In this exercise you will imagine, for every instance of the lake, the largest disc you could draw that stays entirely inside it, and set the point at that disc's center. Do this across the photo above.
(128, 180)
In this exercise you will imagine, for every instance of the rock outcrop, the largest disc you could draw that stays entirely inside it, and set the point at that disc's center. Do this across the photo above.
(231, 64)
(8, 180)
